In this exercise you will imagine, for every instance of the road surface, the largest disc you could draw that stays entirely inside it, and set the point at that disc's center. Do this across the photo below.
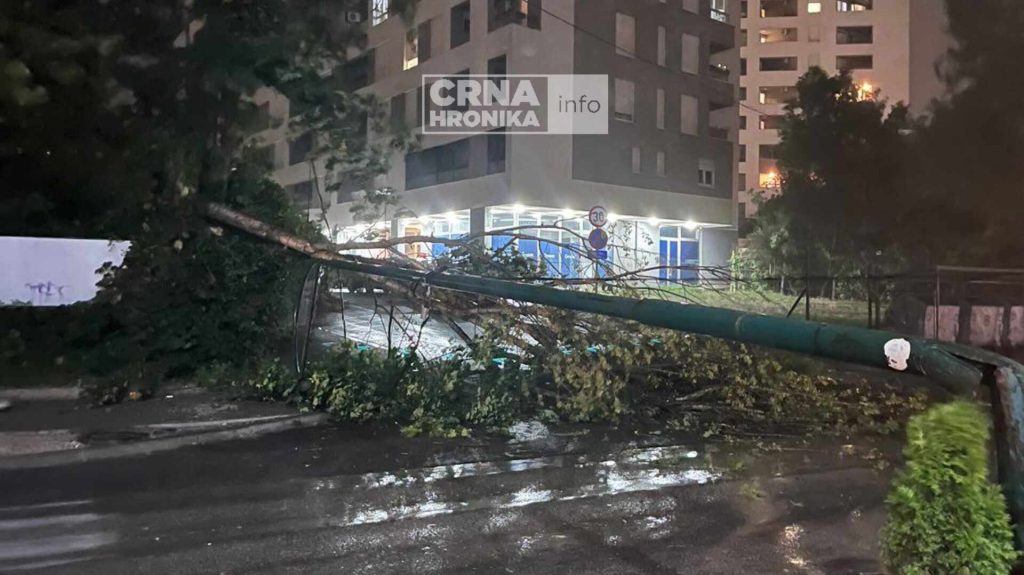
(336, 500)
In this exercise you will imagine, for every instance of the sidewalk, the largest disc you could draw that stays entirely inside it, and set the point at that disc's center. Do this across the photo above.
(57, 424)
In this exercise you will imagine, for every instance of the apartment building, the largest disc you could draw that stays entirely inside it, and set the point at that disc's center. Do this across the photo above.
(665, 170)
(890, 46)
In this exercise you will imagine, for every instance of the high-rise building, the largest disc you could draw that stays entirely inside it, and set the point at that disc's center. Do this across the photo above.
(664, 171)
(889, 46)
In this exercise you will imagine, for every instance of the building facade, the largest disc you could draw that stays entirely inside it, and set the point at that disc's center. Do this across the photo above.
(889, 46)
(664, 172)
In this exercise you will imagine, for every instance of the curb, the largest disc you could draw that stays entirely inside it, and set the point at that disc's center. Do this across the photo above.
(40, 393)
(150, 446)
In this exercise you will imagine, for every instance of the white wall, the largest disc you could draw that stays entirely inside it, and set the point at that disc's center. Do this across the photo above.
(53, 271)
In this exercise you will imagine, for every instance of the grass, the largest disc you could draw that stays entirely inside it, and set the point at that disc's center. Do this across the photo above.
(847, 312)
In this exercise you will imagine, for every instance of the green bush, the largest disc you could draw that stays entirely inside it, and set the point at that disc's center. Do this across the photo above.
(945, 516)
(442, 398)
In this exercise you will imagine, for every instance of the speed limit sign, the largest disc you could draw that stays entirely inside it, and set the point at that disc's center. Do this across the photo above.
(598, 216)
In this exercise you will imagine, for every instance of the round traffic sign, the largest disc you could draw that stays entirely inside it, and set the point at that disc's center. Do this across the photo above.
(598, 217)
(598, 239)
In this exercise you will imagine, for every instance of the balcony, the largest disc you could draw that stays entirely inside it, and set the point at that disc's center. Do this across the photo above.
(779, 8)
(719, 16)
(718, 132)
(719, 72)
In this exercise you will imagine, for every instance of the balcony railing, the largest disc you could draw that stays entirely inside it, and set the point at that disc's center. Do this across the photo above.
(720, 15)
(719, 71)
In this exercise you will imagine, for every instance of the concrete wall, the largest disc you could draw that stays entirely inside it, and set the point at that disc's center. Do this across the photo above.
(982, 326)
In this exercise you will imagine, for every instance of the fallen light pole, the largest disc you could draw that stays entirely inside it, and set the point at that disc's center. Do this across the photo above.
(961, 368)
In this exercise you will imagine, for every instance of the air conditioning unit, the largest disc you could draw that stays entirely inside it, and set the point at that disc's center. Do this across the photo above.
(354, 17)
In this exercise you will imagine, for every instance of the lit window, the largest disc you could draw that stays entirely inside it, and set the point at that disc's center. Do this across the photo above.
(412, 43)
(706, 173)
(379, 12)
(853, 5)
(625, 100)
(769, 180)
(814, 7)
(718, 11)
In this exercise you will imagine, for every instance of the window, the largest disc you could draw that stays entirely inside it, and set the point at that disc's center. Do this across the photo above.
(854, 62)
(497, 66)
(776, 35)
(743, 122)
(743, 66)
(503, 12)
(743, 9)
(636, 160)
(743, 181)
(661, 45)
(718, 11)
(397, 113)
(460, 24)
(660, 163)
(301, 194)
(773, 122)
(778, 64)
(775, 94)
(854, 35)
(778, 8)
(300, 148)
(853, 5)
(660, 109)
(497, 142)
(447, 163)
(421, 105)
(768, 152)
(743, 152)
(814, 7)
(417, 46)
(379, 11)
(460, 75)
(813, 34)
(691, 54)
(625, 100)
(743, 37)
(625, 35)
(688, 108)
(411, 57)
(706, 173)
(743, 94)
(691, 6)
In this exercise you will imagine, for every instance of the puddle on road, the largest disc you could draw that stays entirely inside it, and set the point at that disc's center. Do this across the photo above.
(52, 534)
(632, 471)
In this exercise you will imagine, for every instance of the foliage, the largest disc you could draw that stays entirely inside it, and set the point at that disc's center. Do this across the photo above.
(968, 163)
(945, 516)
(121, 120)
(843, 161)
(441, 398)
(701, 384)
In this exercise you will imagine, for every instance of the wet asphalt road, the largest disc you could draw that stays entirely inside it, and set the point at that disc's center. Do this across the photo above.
(332, 500)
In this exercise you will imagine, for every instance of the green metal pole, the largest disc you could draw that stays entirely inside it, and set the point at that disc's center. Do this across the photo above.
(960, 368)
